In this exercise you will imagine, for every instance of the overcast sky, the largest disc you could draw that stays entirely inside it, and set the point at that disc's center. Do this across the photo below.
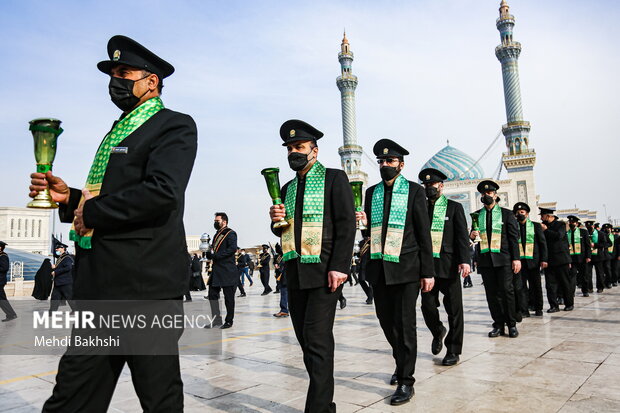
(427, 73)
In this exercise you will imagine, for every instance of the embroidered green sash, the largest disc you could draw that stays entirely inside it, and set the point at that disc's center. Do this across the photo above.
(312, 217)
(611, 238)
(396, 221)
(120, 131)
(495, 243)
(594, 242)
(528, 252)
(438, 224)
(574, 246)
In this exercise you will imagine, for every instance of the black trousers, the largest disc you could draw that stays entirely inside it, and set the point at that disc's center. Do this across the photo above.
(578, 274)
(600, 274)
(500, 295)
(396, 307)
(557, 278)
(85, 383)
(532, 288)
(520, 296)
(229, 302)
(614, 270)
(312, 313)
(453, 303)
(5, 305)
(367, 289)
(608, 275)
(264, 279)
(61, 292)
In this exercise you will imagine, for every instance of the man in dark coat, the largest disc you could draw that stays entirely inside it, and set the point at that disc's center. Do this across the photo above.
(280, 270)
(130, 213)
(264, 259)
(557, 274)
(364, 256)
(451, 257)
(580, 253)
(401, 259)
(498, 258)
(317, 246)
(597, 243)
(607, 253)
(615, 258)
(63, 280)
(4, 270)
(225, 275)
(534, 255)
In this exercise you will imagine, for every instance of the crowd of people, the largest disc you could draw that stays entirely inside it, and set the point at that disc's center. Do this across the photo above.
(415, 241)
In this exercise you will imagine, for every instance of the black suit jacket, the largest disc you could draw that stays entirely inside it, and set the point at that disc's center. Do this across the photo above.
(541, 253)
(139, 215)
(596, 248)
(4, 268)
(416, 254)
(225, 272)
(454, 244)
(557, 242)
(63, 270)
(586, 248)
(509, 250)
(338, 233)
(604, 252)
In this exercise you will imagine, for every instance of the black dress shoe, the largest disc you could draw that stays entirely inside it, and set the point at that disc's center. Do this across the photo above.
(526, 314)
(9, 318)
(450, 359)
(369, 301)
(518, 317)
(586, 294)
(394, 379)
(343, 303)
(226, 325)
(538, 313)
(599, 290)
(214, 324)
(496, 332)
(437, 344)
(402, 395)
(614, 284)
(590, 291)
(569, 308)
(241, 295)
(553, 310)
(513, 332)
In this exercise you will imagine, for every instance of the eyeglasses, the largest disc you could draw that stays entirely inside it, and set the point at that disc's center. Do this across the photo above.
(387, 160)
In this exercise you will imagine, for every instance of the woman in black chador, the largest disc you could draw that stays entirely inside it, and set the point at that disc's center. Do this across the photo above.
(43, 281)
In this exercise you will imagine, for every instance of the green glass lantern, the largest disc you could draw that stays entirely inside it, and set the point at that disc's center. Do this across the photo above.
(272, 179)
(474, 225)
(45, 132)
(356, 186)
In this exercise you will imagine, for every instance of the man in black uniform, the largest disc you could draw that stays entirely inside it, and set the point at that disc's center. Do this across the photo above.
(225, 275)
(498, 259)
(615, 257)
(451, 257)
(401, 259)
(264, 259)
(597, 243)
(4, 270)
(534, 255)
(63, 280)
(581, 253)
(557, 274)
(317, 246)
(364, 257)
(607, 253)
(132, 207)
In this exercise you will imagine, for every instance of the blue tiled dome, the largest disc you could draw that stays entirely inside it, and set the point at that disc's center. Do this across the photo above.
(457, 165)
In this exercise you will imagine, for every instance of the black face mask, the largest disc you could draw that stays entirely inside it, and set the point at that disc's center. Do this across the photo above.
(431, 192)
(572, 225)
(487, 199)
(217, 225)
(521, 217)
(297, 160)
(388, 172)
(121, 93)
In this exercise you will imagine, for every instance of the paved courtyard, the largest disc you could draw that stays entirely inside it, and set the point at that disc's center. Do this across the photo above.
(564, 362)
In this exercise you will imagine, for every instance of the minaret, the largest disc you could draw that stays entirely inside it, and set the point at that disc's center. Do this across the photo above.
(519, 160)
(350, 152)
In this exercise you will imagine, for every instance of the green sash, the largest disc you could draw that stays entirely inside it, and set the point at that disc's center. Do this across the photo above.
(495, 243)
(611, 238)
(396, 221)
(528, 252)
(120, 131)
(594, 242)
(438, 224)
(574, 248)
(312, 217)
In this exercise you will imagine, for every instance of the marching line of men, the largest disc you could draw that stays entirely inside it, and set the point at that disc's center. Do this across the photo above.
(133, 205)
